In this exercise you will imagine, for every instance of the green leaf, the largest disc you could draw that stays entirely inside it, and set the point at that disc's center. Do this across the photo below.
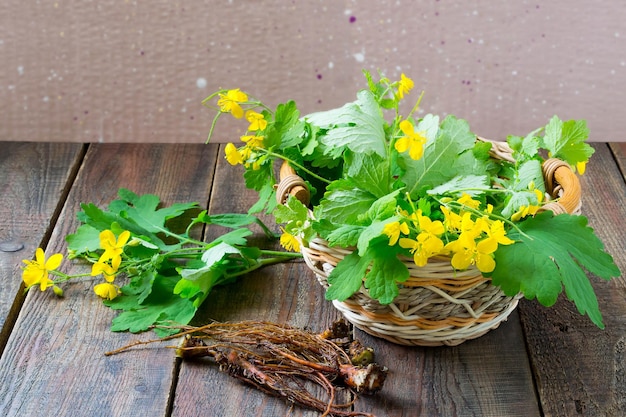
(292, 211)
(369, 172)
(216, 253)
(358, 126)
(231, 220)
(442, 159)
(345, 236)
(235, 237)
(162, 307)
(344, 203)
(469, 184)
(529, 172)
(551, 250)
(385, 274)
(141, 285)
(287, 129)
(566, 140)
(266, 201)
(384, 207)
(481, 150)
(144, 211)
(429, 125)
(347, 277)
(371, 234)
(86, 239)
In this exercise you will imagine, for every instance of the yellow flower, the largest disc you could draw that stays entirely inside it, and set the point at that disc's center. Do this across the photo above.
(467, 200)
(108, 271)
(467, 252)
(289, 241)
(253, 142)
(581, 166)
(426, 225)
(393, 230)
(496, 231)
(107, 290)
(404, 85)
(229, 102)
(233, 156)
(452, 220)
(37, 271)
(113, 247)
(412, 141)
(425, 246)
(257, 121)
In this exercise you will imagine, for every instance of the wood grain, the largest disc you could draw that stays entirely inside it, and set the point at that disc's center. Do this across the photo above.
(489, 376)
(619, 152)
(580, 370)
(285, 293)
(53, 364)
(33, 178)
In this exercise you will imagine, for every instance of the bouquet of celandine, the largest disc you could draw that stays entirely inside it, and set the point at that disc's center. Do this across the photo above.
(404, 212)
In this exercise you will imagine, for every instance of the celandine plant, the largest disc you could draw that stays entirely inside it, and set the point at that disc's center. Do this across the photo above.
(389, 185)
(167, 274)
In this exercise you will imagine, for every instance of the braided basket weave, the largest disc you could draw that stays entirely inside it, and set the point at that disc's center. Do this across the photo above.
(436, 305)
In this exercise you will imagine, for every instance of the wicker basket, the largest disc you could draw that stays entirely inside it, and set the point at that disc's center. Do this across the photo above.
(437, 305)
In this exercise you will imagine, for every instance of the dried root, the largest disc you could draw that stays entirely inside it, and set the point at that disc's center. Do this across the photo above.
(289, 363)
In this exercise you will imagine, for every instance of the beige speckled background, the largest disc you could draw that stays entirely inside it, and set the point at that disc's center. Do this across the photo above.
(136, 71)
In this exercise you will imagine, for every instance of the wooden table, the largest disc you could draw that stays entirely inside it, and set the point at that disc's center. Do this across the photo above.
(541, 362)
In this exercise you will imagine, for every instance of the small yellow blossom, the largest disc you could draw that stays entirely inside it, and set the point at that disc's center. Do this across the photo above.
(37, 271)
(412, 141)
(466, 251)
(289, 241)
(108, 271)
(233, 156)
(393, 230)
(113, 247)
(427, 225)
(404, 85)
(107, 290)
(425, 246)
(467, 200)
(257, 121)
(253, 142)
(581, 166)
(229, 102)
(497, 232)
(452, 220)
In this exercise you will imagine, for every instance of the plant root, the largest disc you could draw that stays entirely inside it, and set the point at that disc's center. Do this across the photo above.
(288, 362)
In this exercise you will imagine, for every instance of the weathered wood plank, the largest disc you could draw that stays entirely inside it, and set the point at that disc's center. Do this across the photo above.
(285, 293)
(580, 369)
(619, 152)
(53, 364)
(488, 376)
(33, 177)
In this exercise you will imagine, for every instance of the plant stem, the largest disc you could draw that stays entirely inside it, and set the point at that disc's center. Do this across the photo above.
(283, 256)
(295, 164)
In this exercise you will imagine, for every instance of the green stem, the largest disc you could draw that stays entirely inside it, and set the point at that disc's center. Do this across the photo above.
(213, 123)
(294, 164)
(284, 256)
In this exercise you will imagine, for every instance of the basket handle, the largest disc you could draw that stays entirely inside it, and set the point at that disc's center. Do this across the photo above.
(291, 184)
(561, 183)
